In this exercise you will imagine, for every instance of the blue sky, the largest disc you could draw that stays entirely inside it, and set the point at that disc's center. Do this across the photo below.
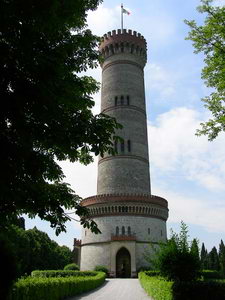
(187, 170)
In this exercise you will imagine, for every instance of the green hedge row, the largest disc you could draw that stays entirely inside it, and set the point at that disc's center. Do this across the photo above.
(62, 273)
(57, 288)
(160, 289)
(156, 287)
(210, 274)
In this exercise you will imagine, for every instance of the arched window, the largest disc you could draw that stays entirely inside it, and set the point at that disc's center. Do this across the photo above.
(129, 230)
(161, 233)
(116, 101)
(122, 146)
(123, 230)
(148, 230)
(128, 100)
(129, 146)
(122, 100)
(117, 230)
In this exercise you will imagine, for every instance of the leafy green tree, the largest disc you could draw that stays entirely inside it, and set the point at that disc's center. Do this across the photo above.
(210, 39)
(175, 260)
(204, 257)
(213, 259)
(194, 249)
(46, 107)
(222, 257)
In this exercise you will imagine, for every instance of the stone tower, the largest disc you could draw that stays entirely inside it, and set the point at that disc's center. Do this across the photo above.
(128, 216)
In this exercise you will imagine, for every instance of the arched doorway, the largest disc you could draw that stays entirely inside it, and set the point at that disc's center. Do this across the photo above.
(123, 263)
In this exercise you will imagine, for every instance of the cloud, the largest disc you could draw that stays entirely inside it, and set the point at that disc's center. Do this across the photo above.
(174, 149)
(195, 210)
(103, 18)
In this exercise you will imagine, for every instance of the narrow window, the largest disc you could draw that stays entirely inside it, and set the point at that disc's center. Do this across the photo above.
(85, 232)
(117, 230)
(123, 230)
(122, 146)
(115, 146)
(129, 146)
(116, 100)
(161, 233)
(148, 230)
(128, 100)
(122, 100)
(128, 230)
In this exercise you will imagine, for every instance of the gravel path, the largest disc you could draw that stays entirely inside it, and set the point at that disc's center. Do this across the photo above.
(116, 289)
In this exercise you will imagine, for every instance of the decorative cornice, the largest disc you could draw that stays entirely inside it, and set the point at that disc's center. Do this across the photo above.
(128, 62)
(123, 156)
(139, 198)
(133, 107)
(110, 241)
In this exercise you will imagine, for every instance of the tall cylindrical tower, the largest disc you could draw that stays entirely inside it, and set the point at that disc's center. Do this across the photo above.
(128, 216)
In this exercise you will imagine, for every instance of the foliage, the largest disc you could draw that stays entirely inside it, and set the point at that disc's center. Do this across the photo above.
(204, 257)
(222, 258)
(175, 259)
(152, 273)
(160, 289)
(54, 288)
(210, 39)
(156, 287)
(72, 266)
(46, 108)
(8, 264)
(213, 259)
(62, 273)
(29, 247)
(100, 268)
(210, 274)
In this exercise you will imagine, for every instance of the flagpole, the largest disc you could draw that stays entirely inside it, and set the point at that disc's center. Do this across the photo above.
(121, 17)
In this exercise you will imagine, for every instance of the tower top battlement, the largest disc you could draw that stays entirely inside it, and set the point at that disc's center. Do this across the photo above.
(117, 41)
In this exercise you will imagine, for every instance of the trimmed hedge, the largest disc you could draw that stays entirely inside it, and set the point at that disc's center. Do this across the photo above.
(210, 274)
(100, 268)
(152, 273)
(72, 266)
(62, 273)
(159, 289)
(33, 288)
(156, 287)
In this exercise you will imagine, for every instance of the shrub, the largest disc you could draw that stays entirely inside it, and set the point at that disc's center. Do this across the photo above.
(156, 287)
(54, 288)
(176, 259)
(152, 273)
(100, 268)
(160, 289)
(72, 267)
(210, 274)
(62, 273)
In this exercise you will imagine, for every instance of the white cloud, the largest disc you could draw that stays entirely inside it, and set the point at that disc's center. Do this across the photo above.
(198, 211)
(102, 19)
(174, 148)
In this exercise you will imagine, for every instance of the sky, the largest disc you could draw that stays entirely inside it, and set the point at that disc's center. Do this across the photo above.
(187, 170)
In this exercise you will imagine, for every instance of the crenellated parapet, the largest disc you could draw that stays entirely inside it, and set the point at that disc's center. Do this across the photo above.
(126, 41)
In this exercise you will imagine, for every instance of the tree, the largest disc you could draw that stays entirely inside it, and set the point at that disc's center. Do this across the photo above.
(214, 259)
(176, 259)
(194, 249)
(204, 258)
(210, 39)
(46, 106)
(222, 257)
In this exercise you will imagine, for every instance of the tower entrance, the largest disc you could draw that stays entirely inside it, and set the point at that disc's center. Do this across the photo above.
(123, 263)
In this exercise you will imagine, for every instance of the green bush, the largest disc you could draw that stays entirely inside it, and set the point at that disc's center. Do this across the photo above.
(204, 290)
(54, 288)
(100, 268)
(210, 274)
(156, 287)
(176, 259)
(160, 289)
(62, 273)
(72, 267)
(152, 273)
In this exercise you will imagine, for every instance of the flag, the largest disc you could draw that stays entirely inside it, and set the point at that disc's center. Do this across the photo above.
(124, 11)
